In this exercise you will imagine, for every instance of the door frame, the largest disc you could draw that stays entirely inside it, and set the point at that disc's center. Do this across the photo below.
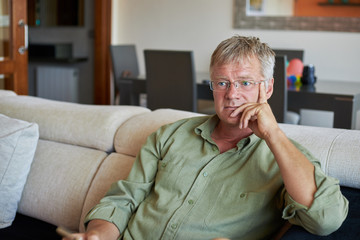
(102, 61)
(17, 64)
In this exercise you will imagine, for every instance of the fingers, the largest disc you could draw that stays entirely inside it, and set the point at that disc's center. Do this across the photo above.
(251, 110)
(262, 93)
(82, 237)
(93, 235)
(77, 237)
(68, 235)
(249, 113)
(74, 237)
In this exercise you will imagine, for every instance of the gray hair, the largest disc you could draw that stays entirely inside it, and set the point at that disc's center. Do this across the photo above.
(238, 48)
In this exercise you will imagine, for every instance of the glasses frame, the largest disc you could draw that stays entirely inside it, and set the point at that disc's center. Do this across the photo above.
(236, 87)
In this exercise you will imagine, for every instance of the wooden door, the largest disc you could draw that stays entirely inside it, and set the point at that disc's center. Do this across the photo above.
(13, 46)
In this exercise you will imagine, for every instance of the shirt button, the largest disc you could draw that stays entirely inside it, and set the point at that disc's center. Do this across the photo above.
(191, 201)
(163, 165)
(214, 148)
(242, 195)
(205, 174)
(174, 226)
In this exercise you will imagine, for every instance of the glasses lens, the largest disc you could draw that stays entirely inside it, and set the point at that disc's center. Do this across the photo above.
(219, 86)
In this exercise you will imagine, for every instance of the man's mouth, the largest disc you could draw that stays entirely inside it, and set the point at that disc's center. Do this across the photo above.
(231, 109)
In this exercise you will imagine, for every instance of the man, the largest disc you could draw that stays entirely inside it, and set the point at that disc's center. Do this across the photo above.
(233, 175)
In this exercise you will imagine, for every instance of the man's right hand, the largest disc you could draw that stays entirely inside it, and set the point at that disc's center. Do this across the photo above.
(84, 236)
(97, 230)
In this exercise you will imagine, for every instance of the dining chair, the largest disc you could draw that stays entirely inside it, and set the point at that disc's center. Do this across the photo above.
(125, 65)
(290, 116)
(278, 100)
(290, 53)
(171, 80)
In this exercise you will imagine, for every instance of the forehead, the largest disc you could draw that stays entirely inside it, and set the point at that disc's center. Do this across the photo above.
(247, 68)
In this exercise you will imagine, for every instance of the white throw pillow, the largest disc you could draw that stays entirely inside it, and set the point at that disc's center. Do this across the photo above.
(18, 141)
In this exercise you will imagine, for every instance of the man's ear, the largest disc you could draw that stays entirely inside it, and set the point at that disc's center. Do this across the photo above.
(269, 88)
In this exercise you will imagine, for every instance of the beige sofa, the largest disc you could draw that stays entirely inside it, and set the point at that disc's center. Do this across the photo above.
(82, 149)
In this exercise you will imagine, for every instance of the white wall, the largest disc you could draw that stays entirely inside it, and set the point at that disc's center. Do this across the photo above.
(199, 25)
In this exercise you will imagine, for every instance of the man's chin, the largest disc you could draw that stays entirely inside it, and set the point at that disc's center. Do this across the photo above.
(238, 116)
(226, 116)
(234, 120)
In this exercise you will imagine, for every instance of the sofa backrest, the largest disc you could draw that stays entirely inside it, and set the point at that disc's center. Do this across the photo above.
(92, 126)
(133, 133)
(337, 149)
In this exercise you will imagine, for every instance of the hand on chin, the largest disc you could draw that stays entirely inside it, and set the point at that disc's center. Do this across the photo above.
(235, 119)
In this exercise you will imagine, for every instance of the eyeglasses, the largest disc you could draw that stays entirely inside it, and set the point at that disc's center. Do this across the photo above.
(241, 85)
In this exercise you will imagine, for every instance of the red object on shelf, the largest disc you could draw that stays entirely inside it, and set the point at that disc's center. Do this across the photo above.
(295, 67)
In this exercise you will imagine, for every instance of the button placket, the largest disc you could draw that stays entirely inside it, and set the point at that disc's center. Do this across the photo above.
(188, 205)
(195, 193)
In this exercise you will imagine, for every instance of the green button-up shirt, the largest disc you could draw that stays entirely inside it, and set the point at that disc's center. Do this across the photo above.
(182, 187)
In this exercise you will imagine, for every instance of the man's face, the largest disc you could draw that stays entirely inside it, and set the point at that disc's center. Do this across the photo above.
(226, 102)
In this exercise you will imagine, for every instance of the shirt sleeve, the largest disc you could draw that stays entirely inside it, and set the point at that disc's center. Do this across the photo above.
(124, 196)
(328, 210)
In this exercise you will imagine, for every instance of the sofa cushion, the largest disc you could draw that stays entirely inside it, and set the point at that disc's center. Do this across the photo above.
(18, 141)
(133, 133)
(58, 183)
(92, 126)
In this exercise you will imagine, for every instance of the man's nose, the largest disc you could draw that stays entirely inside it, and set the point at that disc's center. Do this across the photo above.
(232, 91)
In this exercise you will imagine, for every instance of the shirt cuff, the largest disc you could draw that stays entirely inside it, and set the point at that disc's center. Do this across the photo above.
(291, 206)
(107, 213)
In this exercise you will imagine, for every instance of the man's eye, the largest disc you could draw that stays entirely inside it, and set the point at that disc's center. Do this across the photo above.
(222, 84)
(245, 83)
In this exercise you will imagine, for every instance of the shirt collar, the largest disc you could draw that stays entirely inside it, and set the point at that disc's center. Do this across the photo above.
(206, 128)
